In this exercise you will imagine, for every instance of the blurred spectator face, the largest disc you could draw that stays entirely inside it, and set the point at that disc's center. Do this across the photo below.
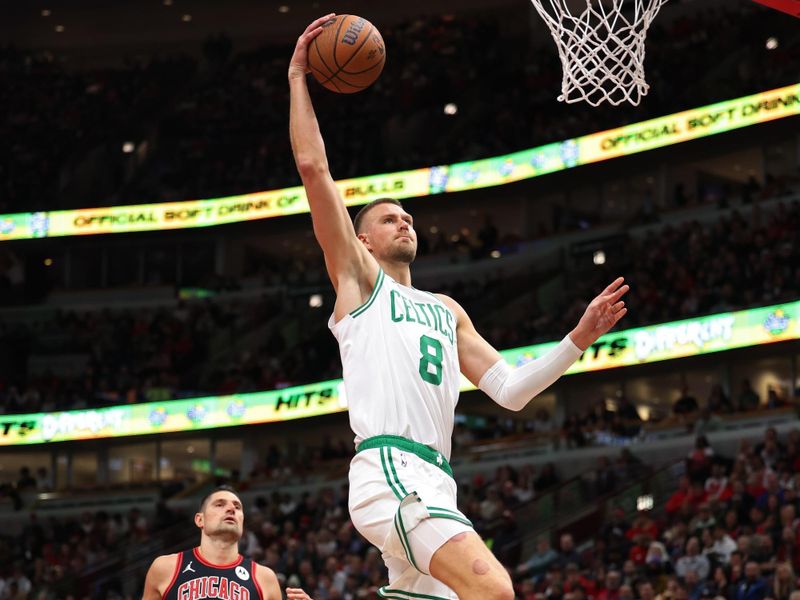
(654, 553)
(788, 536)
(736, 572)
(543, 545)
(752, 571)
(629, 568)
(706, 537)
(613, 580)
(567, 543)
(692, 547)
(784, 572)
(672, 586)
(625, 592)
(743, 544)
(787, 515)
(572, 572)
(646, 591)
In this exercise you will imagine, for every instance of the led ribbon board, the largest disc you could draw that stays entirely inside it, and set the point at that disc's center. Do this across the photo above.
(499, 170)
(298, 402)
(625, 348)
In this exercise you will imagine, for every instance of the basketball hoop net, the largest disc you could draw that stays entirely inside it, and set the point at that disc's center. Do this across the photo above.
(601, 49)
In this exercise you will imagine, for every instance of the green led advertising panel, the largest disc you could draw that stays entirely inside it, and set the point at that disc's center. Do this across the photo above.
(667, 341)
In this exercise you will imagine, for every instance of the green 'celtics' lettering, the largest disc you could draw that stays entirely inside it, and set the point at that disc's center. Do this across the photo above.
(448, 318)
(432, 354)
(396, 316)
(424, 314)
(429, 314)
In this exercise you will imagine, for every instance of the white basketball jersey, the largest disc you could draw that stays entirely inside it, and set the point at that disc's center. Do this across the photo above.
(400, 362)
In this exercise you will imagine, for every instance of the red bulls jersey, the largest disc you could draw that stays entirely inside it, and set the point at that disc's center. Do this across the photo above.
(196, 579)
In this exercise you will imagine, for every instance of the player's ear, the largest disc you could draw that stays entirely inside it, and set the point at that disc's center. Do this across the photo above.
(364, 240)
(198, 520)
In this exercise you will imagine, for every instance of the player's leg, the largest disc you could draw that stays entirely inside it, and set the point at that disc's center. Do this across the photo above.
(468, 567)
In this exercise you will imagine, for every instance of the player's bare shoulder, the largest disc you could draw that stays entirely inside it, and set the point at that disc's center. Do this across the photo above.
(267, 581)
(159, 576)
(458, 311)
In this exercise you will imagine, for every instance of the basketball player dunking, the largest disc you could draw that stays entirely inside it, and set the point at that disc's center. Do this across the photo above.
(402, 350)
(215, 569)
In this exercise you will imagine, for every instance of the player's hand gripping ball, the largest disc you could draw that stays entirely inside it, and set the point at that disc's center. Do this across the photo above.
(348, 55)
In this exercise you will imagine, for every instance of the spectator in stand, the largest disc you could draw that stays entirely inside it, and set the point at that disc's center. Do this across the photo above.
(645, 591)
(700, 459)
(718, 402)
(702, 520)
(784, 582)
(657, 562)
(540, 561)
(748, 399)
(640, 548)
(693, 561)
(752, 586)
(611, 589)
(723, 545)
(774, 400)
(687, 497)
(686, 404)
(613, 537)
(643, 524)
(694, 584)
(717, 486)
(574, 579)
(605, 479)
(567, 553)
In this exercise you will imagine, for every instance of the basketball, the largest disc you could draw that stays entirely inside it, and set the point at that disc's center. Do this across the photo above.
(348, 56)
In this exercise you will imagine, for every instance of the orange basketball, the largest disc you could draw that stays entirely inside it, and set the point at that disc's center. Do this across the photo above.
(348, 55)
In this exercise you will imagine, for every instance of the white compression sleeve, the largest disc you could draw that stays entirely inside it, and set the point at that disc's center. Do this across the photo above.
(514, 388)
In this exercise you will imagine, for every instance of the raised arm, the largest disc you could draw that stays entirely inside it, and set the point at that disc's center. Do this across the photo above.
(350, 266)
(514, 388)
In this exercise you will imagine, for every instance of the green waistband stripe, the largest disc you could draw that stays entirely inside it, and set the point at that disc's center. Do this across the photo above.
(386, 593)
(424, 452)
(452, 517)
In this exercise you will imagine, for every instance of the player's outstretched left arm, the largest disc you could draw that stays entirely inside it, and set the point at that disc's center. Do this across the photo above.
(514, 388)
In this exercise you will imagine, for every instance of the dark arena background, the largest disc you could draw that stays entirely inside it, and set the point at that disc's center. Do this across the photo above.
(164, 304)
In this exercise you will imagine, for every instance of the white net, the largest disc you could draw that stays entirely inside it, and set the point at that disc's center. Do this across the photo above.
(602, 48)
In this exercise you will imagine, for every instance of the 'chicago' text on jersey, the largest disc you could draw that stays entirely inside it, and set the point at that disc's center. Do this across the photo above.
(212, 587)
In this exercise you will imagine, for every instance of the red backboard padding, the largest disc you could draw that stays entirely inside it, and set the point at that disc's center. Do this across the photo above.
(790, 7)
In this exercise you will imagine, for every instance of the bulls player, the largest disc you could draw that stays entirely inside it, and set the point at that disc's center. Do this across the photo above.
(215, 569)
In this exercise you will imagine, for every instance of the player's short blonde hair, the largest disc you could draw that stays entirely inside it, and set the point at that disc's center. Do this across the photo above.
(359, 218)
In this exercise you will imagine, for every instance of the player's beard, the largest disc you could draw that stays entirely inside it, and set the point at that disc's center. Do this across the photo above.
(404, 253)
(227, 531)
